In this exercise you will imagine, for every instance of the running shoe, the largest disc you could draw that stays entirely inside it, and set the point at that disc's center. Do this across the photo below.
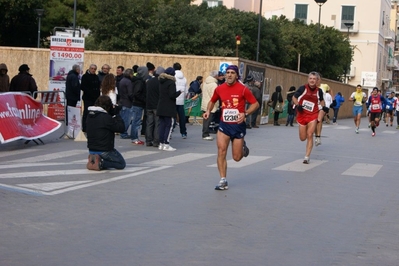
(223, 185)
(184, 136)
(317, 141)
(369, 125)
(245, 149)
(306, 160)
(373, 134)
(357, 130)
(386, 124)
(167, 147)
(160, 147)
(138, 142)
(208, 138)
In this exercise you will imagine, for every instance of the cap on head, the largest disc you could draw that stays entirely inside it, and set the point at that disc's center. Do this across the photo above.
(220, 74)
(160, 70)
(170, 71)
(23, 67)
(250, 78)
(235, 69)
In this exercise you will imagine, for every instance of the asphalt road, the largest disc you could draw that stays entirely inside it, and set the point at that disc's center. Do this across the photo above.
(341, 209)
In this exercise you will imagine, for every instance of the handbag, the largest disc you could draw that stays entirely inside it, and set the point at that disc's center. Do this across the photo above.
(279, 106)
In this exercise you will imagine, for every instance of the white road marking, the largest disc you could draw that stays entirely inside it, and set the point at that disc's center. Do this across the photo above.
(244, 162)
(65, 173)
(389, 132)
(53, 185)
(363, 169)
(174, 160)
(16, 152)
(49, 156)
(126, 155)
(299, 166)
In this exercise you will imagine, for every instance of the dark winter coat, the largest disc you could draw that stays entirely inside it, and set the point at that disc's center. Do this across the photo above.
(90, 86)
(167, 96)
(101, 128)
(139, 91)
(23, 82)
(4, 79)
(125, 92)
(72, 86)
(276, 96)
(152, 98)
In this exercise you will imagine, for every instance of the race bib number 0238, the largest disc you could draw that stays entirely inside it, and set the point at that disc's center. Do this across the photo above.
(230, 115)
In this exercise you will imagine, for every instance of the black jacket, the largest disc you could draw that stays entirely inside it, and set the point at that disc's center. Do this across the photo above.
(90, 86)
(139, 91)
(72, 86)
(101, 128)
(152, 93)
(125, 92)
(23, 82)
(167, 96)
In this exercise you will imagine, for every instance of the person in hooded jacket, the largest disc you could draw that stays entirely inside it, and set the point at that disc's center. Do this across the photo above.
(138, 104)
(23, 81)
(72, 86)
(209, 88)
(4, 78)
(91, 91)
(166, 109)
(101, 127)
(277, 97)
(181, 85)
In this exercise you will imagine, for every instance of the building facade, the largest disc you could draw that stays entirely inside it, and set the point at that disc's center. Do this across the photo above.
(371, 26)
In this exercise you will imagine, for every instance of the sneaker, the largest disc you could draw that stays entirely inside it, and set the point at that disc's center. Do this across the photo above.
(386, 124)
(160, 147)
(317, 141)
(184, 136)
(369, 125)
(208, 138)
(223, 185)
(167, 147)
(138, 142)
(245, 149)
(373, 134)
(306, 160)
(94, 162)
(125, 136)
(357, 130)
(149, 144)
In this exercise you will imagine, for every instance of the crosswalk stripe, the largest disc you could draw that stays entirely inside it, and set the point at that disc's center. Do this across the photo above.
(363, 169)
(389, 132)
(65, 173)
(50, 156)
(53, 185)
(244, 162)
(126, 155)
(299, 166)
(184, 158)
(16, 152)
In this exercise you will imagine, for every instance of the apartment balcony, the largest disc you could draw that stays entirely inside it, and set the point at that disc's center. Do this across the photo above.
(353, 28)
(392, 63)
(389, 35)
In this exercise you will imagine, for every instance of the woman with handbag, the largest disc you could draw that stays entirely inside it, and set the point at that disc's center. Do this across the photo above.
(277, 104)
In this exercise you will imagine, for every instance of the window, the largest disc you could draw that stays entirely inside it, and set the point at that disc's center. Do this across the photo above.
(348, 16)
(213, 3)
(301, 12)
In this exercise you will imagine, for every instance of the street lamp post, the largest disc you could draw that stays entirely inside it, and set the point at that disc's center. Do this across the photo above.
(320, 3)
(259, 23)
(74, 18)
(238, 42)
(39, 13)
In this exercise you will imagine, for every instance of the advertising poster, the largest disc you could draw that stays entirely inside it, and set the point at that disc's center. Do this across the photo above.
(64, 53)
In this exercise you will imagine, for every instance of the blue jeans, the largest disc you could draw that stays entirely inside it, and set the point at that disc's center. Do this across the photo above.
(182, 119)
(136, 121)
(126, 115)
(113, 159)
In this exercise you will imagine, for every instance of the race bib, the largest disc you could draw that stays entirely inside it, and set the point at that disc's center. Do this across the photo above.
(230, 115)
(309, 106)
(375, 106)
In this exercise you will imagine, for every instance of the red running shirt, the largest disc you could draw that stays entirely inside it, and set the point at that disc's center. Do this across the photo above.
(233, 100)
